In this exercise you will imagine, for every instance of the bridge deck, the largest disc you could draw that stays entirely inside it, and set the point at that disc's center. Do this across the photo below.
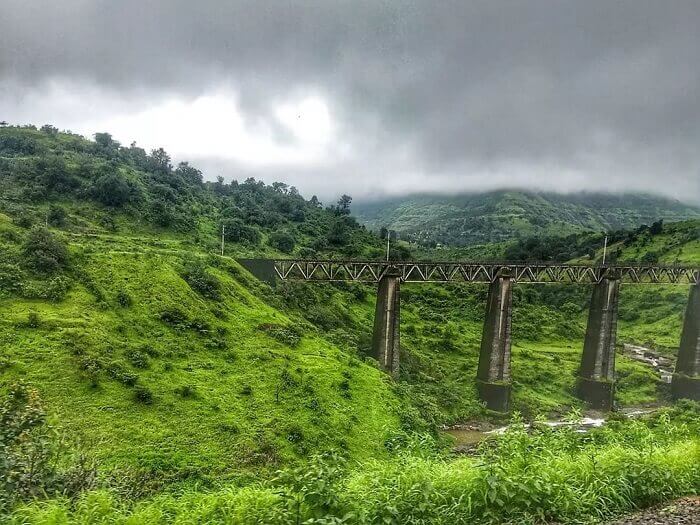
(470, 272)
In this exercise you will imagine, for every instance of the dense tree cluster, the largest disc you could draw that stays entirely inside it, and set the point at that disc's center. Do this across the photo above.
(587, 244)
(46, 166)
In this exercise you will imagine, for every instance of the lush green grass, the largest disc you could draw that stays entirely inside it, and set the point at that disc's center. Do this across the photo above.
(255, 401)
(520, 477)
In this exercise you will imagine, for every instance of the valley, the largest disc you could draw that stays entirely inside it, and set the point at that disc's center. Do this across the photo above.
(198, 393)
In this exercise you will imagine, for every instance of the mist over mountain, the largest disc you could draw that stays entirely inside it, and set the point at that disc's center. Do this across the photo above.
(474, 218)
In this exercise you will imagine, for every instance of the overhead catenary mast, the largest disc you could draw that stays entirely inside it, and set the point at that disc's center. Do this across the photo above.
(605, 248)
(223, 235)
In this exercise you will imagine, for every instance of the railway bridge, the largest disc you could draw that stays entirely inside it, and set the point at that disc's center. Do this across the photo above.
(596, 376)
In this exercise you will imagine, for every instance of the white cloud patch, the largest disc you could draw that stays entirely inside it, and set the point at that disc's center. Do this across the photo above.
(369, 97)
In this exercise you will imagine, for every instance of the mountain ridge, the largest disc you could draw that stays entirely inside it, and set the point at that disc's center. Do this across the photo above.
(473, 218)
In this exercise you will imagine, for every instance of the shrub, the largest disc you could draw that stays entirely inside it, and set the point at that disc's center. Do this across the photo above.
(143, 395)
(33, 463)
(113, 189)
(10, 278)
(136, 358)
(44, 252)
(200, 280)
(246, 390)
(237, 231)
(123, 299)
(121, 374)
(283, 241)
(287, 335)
(33, 320)
(56, 216)
(174, 316)
(24, 220)
(186, 391)
(54, 289)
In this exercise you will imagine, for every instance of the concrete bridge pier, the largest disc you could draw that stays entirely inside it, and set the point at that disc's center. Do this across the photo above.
(596, 381)
(387, 319)
(493, 375)
(686, 379)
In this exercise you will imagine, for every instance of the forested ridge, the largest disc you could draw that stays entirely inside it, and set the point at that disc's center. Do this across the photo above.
(476, 218)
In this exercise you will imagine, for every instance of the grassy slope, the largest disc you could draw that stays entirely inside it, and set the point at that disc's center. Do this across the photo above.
(221, 426)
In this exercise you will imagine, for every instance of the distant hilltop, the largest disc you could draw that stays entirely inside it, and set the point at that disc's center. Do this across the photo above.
(475, 218)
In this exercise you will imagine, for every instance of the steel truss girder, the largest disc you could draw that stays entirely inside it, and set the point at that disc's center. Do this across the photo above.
(468, 272)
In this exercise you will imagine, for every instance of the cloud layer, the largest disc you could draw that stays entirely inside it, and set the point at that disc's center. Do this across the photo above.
(375, 97)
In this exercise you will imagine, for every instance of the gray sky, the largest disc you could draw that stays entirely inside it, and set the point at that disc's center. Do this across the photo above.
(374, 97)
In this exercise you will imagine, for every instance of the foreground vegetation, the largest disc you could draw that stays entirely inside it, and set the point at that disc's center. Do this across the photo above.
(519, 477)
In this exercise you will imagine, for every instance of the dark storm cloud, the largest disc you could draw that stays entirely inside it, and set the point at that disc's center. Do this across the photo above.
(439, 95)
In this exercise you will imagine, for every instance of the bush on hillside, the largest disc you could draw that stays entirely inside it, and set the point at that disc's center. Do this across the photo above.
(201, 280)
(10, 279)
(56, 216)
(113, 189)
(282, 241)
(143, 395)
(45, 252)
(237, 231)
(33, 463)
(287, 335)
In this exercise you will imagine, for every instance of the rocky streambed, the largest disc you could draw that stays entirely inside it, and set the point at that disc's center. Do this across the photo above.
(684, 511)
(663, 365)
(467, 436)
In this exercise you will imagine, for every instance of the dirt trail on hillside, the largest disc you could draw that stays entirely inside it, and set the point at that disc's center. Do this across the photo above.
(680, 512)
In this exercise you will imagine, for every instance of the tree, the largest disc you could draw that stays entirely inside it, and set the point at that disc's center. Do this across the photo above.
(280, 187)
(49, 129)
(113, 189)
(161, 213)
(189, 173)
(105, 144)
(160, 161)
(283, 241)
(219, 187)
(54, 173)
(657, 227)
(344, 204)
(44, 252)
(237, 231)
(339, 233)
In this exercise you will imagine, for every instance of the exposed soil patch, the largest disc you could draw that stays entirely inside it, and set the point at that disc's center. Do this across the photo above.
(680, 512)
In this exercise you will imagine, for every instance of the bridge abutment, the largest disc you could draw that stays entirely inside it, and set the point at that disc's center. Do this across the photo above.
(493, 376)
(686, 378)
(387, 319)
(596, 381)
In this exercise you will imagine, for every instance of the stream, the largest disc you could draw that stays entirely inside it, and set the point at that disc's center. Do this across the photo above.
(661, 364)
(466, 436)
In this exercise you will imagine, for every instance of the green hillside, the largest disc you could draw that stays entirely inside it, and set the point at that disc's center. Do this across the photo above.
(478, 218)
(187, 384)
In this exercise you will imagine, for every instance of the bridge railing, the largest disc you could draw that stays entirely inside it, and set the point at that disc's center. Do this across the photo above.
(478, 272)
